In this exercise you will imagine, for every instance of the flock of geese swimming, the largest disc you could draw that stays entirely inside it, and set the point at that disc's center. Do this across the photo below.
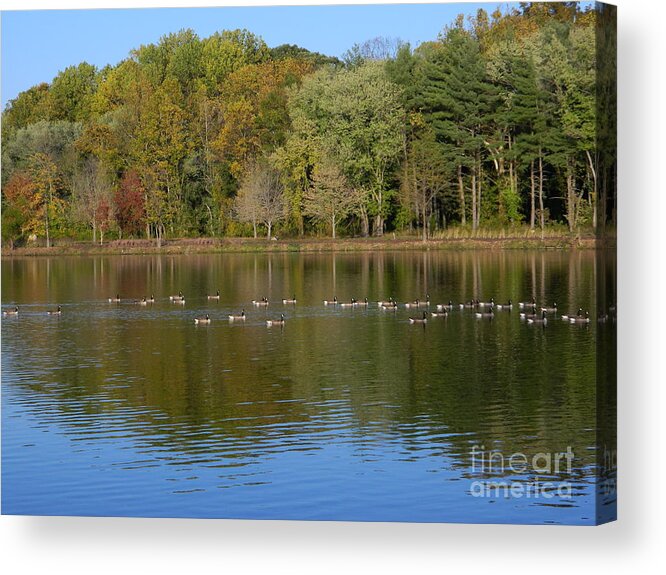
(530, 312)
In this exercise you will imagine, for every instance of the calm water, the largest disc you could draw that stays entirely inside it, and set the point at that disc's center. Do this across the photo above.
(350, 414)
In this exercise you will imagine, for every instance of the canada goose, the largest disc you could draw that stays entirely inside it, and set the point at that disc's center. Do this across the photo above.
(333, 301)
(445, 306)
(485, 314)
(606, 317)
(419, 303)
(55, 311)
(11, 311)
(260, 302)
(271, 322)
(580, 318)
(423, 319)
(215, 297)
(527, 315)
(505, 306)
(390, 303)
(291, 301)
(392, 306)
(543, 320)
(490, 303)
(469, 304)
(351, 303)
(240, 317)
(527, 303)
(151, 299)
(439, 314)
(198, 320)
(552, 309)
(144, 301)
(363, 303)
(178, 297)
(115, 299)
(569, 317)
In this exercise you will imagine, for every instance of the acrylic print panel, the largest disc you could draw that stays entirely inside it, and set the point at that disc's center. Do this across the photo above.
(253, 268)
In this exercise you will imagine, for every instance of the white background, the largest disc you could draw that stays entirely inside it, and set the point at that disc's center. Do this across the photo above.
(635, 543)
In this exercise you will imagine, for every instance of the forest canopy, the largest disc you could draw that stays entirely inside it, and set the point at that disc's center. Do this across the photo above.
(494, 123)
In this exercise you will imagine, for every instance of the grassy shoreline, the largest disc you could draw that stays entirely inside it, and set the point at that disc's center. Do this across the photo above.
(230, 245)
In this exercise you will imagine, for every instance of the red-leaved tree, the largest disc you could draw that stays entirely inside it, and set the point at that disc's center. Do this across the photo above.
(129, 203)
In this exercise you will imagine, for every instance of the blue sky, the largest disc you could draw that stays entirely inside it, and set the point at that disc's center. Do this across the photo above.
(37, 44)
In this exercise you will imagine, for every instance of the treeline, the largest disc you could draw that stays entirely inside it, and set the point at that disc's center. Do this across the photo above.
(494, 123)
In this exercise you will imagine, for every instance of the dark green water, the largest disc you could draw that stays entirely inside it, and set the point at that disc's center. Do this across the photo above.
(119, 409)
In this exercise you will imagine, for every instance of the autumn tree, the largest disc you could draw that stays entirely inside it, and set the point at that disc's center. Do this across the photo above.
(45, 198)
(129, 204)
(18, 214)
(260, 198)
(515, 101)
(92, 197)
(254, 111)
(160, 146)
(227, 51)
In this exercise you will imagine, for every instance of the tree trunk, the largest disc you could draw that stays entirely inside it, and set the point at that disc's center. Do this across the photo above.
(542, 215)
(425, 220)
(333, 225)
(378, 225)
(365, 223)
(603, 199)
(46, 225)
(571, 196)
(461, 193)
(478, 185)
(269, 225)
(594, 190)
(94, 230)
(532, 198)
(254, 228)
(46, 215)
(474, 207)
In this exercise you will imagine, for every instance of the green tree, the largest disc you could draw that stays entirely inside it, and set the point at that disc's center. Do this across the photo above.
(456, 99)
(356, 116)
(71, 93)
(27, 108)
(425, 174)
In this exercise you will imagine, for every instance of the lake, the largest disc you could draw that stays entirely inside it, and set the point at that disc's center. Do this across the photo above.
(341, 414)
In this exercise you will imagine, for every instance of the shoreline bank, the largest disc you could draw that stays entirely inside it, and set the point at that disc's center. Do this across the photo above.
(249, 245)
